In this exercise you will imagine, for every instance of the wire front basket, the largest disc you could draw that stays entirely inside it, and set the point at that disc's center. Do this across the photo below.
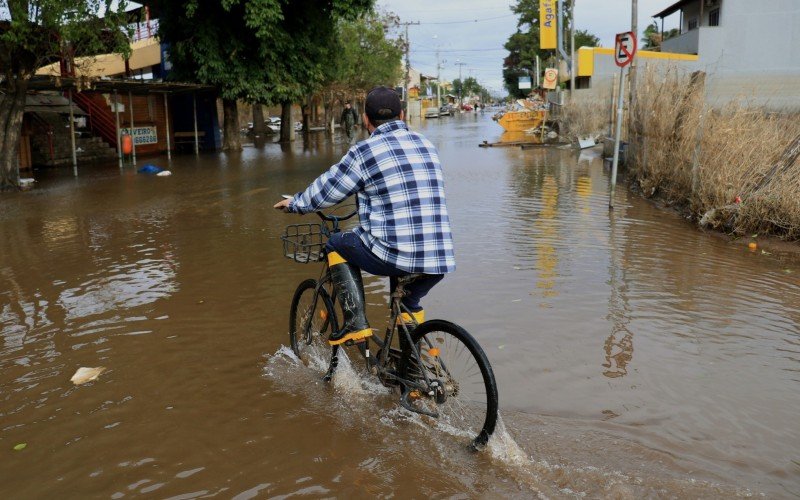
(304, 243)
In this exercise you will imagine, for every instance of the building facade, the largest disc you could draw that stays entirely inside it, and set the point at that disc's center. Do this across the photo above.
(749, 50)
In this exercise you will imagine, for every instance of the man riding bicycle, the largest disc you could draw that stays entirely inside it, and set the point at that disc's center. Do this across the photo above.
(403, 225)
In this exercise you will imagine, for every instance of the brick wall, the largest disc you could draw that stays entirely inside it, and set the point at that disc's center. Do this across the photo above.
(148, 110)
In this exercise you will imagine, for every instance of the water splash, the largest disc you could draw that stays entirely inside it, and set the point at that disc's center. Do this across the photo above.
(357, 394)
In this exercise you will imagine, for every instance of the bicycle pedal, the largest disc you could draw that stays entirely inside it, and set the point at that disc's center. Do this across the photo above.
(406, 403)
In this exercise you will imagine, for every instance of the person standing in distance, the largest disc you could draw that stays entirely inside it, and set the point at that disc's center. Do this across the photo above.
(404, 226)
(348, 121)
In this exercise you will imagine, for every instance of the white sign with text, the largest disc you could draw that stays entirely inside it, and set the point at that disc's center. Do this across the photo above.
(142, 135)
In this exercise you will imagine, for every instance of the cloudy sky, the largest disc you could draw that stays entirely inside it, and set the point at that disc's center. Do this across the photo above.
(478, 42)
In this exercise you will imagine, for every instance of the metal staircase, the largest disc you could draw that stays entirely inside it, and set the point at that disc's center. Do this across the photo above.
(100, 118)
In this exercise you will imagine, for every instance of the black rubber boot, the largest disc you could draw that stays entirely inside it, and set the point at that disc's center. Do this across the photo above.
(349, 290)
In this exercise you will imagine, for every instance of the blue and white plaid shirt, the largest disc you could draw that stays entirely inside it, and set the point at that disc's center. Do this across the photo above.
(398, 179)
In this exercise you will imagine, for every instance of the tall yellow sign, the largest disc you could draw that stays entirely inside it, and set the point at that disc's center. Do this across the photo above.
(548, 24)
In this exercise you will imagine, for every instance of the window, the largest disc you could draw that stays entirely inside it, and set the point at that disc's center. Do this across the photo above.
(692, 23)
(713, 17)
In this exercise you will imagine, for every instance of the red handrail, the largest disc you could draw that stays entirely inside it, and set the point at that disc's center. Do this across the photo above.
(101, 120)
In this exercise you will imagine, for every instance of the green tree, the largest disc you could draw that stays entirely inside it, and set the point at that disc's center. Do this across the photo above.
(585, 39)
(523, 45)
(34, 33)
(653, 38)
(363, 57)
(260, 51)
(470, 87)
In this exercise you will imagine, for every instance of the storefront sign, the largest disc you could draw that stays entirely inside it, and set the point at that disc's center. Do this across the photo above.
(548, 22)
(142, 135)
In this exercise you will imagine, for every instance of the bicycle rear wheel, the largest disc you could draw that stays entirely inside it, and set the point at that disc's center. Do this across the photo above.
(453, 357)
(311, 318)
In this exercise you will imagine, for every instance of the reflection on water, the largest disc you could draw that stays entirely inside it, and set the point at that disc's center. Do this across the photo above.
(519, 136)
(618, 346)
(178, 286)
(546, 257)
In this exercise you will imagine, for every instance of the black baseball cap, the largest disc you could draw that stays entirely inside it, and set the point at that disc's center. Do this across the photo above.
(383, 103)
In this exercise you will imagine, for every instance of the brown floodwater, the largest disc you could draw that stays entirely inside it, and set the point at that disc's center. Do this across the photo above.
(635, 355)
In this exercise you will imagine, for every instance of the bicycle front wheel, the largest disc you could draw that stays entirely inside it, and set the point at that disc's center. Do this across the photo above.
(311, 319)
(451, 356)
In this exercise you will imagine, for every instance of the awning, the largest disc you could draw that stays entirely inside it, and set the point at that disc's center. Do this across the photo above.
(108, 85)
(49, 103)
(674, 8)
(64, 110)
(144, 54)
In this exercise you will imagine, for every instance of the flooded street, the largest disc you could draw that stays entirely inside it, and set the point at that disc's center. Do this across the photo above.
(635, 355)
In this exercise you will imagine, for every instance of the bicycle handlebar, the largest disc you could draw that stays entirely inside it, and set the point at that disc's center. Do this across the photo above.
(336, 218)
(331, 218)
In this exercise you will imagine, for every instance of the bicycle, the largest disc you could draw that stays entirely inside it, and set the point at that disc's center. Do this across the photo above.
(440, 369)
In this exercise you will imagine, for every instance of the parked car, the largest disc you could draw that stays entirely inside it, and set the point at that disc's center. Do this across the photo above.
(432, 112)
(466, 107)
(274, 124)
(444, 110)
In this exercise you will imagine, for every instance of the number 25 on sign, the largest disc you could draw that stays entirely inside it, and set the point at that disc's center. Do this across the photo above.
(624, 50)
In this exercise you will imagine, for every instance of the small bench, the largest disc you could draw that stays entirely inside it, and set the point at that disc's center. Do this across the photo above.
(187, 139)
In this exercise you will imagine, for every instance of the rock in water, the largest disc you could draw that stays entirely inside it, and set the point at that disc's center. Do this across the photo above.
(84, 374)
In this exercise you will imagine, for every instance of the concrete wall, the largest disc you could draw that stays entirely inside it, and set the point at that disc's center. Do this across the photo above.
(604, 70)
(687, 43)
(753, 56)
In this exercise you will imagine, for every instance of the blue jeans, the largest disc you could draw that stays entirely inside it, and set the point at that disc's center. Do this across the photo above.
(353, 250)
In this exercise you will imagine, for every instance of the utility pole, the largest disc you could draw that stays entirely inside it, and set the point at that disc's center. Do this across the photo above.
(408, 62)
(438, 80)
(635, 30)
(572, 54)
(461, 82)
(633, 122)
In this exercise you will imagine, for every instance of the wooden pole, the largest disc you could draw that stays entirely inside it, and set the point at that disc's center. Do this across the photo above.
(544, 122)
(634, 132)
(572, 53)
(166, 124)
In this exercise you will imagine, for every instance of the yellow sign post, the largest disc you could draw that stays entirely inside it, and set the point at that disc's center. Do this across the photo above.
(548, 24)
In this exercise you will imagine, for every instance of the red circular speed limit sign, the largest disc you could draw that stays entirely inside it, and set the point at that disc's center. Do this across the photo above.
(624, 48)
(550, 78)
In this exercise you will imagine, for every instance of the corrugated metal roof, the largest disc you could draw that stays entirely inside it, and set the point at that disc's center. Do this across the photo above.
(42, 82)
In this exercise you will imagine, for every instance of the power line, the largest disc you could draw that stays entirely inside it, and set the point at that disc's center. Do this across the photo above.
(450, 10)
(474, 20)
(462, 50)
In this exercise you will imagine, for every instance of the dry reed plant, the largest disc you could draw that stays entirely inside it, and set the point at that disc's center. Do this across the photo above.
(713, 163)
(584, 118)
